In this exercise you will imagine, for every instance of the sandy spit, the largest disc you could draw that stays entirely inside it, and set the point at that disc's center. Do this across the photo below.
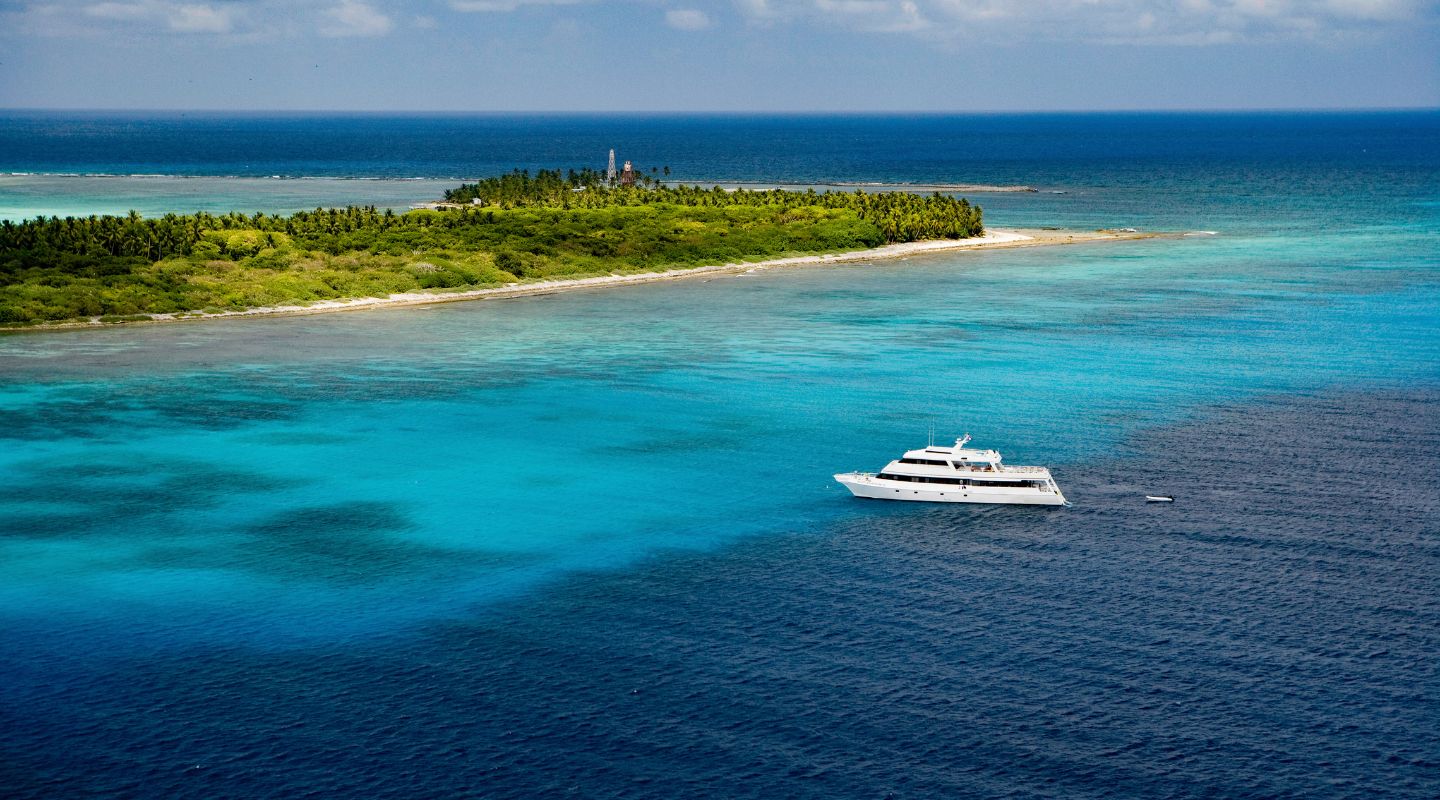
(992, 239)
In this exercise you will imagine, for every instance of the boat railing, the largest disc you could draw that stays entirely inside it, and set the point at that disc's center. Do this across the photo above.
(999, 470)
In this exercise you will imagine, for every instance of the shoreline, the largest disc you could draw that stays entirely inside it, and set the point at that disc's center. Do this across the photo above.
(992, 239)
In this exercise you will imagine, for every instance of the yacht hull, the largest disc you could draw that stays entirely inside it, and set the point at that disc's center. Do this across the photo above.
(868, 486)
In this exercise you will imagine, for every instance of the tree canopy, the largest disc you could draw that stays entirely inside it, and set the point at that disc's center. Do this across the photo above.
(511, 227)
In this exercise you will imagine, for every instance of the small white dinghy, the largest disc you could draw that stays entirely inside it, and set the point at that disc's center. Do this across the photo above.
(1159, 498)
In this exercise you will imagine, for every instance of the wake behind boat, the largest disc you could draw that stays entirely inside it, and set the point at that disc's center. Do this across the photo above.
(956, 475)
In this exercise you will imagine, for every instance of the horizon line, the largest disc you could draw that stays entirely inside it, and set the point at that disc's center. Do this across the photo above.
(724, 112)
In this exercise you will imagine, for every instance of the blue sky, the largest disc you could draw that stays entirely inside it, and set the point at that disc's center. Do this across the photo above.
(719, 55)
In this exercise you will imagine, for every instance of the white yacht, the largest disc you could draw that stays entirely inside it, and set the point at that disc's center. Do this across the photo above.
(956, 475)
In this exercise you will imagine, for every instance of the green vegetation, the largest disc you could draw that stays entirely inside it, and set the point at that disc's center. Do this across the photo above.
(511, 228)
(547, 187)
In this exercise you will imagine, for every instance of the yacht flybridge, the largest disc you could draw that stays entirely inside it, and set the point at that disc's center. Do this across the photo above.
(956, 475)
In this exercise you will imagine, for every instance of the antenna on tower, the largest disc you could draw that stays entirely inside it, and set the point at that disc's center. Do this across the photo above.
(610, 170)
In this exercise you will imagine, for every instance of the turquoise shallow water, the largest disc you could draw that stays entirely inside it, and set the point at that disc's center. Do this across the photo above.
(28, 196)
(483, 449)
(588, 542)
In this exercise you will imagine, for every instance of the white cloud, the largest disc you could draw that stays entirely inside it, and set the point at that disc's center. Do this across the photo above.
(1191, 22)
(687, 19)
(870, 16)
(201, 19)
(754, 8)
(766, 12)
(909, 19)
(878, 16)
(178, 17)
(1113, 21)
(1373, 9)
(852, 7)
(353, 18)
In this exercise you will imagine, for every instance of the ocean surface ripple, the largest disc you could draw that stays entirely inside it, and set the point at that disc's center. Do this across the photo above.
(1271, 633)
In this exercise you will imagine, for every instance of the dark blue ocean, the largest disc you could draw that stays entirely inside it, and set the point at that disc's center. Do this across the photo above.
(588, 545)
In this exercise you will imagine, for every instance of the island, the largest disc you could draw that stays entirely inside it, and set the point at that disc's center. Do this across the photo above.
(500, 235)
